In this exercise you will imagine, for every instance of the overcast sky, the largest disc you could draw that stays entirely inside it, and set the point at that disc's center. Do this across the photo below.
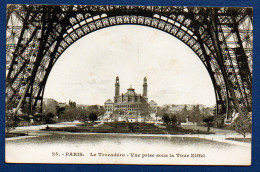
(86, 71)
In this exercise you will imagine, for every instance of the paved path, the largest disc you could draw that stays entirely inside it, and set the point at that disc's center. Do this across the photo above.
(40, 127)
(214, 130)
(37, 130)
(220, 135)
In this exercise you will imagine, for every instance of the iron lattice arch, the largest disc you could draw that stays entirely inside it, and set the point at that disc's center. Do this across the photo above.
(38, 34)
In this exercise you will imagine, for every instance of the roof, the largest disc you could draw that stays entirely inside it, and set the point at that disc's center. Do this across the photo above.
(130, 91)
(108, 101)
(152, 102)
(131, 88)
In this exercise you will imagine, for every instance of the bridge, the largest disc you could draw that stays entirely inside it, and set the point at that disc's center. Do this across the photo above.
(37, 35)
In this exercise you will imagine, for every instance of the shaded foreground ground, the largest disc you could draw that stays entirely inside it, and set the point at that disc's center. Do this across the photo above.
(70, 138)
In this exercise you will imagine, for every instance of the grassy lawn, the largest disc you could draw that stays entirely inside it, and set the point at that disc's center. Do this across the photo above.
(123, 127)
(114, 127)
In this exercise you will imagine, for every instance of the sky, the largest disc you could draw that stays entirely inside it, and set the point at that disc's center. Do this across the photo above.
(86, 71)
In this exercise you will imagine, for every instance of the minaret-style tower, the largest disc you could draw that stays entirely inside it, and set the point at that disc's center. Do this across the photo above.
(117, 89)
(145, 87)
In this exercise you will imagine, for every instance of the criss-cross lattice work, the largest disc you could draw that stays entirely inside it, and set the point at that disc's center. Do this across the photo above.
(38, 34)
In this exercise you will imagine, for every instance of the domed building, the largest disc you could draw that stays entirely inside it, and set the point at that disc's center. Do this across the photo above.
(130, 106)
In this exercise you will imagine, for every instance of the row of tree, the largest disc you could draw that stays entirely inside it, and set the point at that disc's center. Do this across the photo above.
(194, 115)
(242, 124)
(174, 121)
(170, 119)
(72, 112)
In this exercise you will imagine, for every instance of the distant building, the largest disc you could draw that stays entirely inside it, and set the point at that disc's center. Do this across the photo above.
(62, 105)
(178, 108)
(82, 106)
(152, 107)
(130, 106)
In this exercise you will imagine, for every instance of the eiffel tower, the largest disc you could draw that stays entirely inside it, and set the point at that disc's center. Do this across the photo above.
(37, 35)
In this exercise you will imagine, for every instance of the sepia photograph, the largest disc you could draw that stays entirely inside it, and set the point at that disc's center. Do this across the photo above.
(141, 85)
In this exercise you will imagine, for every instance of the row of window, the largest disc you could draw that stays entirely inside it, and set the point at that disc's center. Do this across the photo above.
(130, 108)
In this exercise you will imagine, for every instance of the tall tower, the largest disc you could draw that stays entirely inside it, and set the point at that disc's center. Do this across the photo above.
(145, 87)
(117, 87)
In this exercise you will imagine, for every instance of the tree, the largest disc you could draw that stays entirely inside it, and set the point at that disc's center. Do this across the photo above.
(84, 118)
(183, 114)
(185, 111)
(98, 110)
(162, 110)
(38, 117)
(243, 124)
(69, 114)
(174, 120)
(50, 105)
(195, 114)
(49, 119)
(166, 119)
(156, 116)
(59, 110)
(90, 113)
(206, 111)
(72, 104)
(209, 122)
(180, 117)
(92, 117)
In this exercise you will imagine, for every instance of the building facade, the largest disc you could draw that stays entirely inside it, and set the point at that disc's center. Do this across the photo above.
(130, 105)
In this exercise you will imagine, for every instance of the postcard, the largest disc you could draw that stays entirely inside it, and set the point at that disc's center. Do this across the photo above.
(110, 84)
